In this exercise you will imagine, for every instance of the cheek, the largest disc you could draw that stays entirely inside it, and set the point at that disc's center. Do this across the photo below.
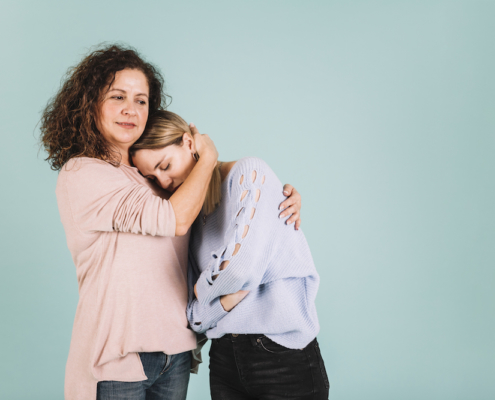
(143, 110)
(105, 116)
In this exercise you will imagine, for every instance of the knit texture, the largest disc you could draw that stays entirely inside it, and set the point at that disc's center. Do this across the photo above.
(274, 263)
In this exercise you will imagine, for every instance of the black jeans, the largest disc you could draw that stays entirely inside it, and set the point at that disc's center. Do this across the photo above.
(254, 367)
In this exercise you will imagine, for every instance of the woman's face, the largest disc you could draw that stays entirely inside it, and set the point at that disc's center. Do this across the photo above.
(168, 166)
(123, 111)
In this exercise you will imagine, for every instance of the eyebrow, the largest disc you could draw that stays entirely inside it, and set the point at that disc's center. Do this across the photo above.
(123, 91)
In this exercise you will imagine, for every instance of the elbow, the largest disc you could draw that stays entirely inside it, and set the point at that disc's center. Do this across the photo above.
(198, 327)
(181, 229)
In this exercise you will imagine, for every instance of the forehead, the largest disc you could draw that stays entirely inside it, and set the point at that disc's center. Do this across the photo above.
(130, 79)
(146, 160)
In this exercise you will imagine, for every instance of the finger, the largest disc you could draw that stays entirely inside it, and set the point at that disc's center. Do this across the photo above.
(287, 203)
(288, 211)
(298, 224)
(193, 128)
(293, 218)
(288, 189)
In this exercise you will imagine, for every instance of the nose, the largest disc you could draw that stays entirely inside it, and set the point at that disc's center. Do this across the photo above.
(129, 108)
(165, 182)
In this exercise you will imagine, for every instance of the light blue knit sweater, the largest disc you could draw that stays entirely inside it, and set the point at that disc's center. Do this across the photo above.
(274, 263)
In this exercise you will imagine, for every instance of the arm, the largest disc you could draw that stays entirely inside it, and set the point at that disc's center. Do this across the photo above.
(189, 198)
(229, 301)
(200, 317)
(290, 206)
(103, 198)
(241, 263)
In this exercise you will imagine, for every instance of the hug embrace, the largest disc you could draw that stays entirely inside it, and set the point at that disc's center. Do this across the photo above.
(172, 246)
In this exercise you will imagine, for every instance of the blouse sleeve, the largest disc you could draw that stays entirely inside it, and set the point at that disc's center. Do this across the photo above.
(102, 198)
(248, 240)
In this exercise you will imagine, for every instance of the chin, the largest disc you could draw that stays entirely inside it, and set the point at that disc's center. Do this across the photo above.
(128, 139)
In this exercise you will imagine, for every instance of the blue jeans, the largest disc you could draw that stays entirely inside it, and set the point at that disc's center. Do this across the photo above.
(168, 377)
(252, 367)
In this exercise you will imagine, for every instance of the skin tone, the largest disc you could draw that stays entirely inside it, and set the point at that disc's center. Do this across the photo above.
(170, 167)
(123, 111)
(122, 117)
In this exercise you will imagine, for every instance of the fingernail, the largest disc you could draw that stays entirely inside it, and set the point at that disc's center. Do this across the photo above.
(281, 215)
(280, 207)
(192, 125)
(286, 192)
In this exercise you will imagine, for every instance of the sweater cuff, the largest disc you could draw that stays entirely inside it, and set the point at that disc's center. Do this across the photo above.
(207, 316)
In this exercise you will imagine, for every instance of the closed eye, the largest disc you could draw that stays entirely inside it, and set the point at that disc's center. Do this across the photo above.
(164, 169)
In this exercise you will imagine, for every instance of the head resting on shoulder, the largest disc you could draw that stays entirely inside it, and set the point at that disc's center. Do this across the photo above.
(166, 154)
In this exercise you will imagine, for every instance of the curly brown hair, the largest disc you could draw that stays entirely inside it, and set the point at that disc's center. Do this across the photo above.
(68, 123)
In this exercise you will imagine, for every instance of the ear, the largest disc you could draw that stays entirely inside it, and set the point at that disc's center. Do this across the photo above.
(188, 141)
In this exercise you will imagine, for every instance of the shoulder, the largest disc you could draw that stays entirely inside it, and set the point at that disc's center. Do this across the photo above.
(84, 173)
(249, 173)
(248, 165)
(78, 166)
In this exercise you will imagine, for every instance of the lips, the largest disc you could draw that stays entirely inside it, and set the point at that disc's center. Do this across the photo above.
(126, 125)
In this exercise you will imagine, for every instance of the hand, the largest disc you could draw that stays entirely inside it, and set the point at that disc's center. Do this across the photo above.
(291, 206)
(229, 301)
(204, 145)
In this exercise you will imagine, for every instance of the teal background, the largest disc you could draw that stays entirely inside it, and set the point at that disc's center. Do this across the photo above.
(381, 113)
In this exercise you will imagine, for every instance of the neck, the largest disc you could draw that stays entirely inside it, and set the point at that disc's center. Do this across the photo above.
(225, 167)
(126, 160)
(124, 154)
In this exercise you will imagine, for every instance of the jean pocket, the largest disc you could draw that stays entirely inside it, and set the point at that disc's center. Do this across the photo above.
(270, 346)
(322, 365)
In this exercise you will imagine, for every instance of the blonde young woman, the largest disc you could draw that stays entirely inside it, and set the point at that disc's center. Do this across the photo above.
(252, 281)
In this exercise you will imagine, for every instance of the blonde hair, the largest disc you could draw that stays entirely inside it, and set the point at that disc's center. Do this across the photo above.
(164, 128)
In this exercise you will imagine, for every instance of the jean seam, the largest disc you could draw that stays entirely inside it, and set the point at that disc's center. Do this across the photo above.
(262, 345)
(308, 357)
(321, 364)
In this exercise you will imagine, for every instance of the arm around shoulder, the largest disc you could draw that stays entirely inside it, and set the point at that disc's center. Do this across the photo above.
(102, 198)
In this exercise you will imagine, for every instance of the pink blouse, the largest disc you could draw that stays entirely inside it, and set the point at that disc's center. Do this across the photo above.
(131, 270)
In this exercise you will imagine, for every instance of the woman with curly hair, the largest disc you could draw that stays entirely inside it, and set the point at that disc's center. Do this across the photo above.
(128, 237)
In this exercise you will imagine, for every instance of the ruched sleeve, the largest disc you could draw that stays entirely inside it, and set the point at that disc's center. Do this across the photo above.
(103, 198)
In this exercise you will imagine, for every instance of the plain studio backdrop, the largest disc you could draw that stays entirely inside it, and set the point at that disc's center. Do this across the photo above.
(381, 113)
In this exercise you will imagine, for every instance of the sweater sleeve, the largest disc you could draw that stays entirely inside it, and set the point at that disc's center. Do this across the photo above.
(243, 259)
(103, 198)
(200, 317)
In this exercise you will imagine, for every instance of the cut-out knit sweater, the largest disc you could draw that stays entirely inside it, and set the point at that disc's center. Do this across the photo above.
(274, 263)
